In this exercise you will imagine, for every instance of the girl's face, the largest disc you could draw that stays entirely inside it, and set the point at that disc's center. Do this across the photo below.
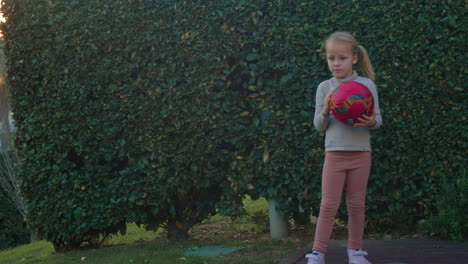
(340, 58)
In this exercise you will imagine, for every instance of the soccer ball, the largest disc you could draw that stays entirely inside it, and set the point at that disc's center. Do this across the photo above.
(350, 101)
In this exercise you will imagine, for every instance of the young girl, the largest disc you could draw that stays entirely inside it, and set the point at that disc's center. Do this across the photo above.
(347, 148)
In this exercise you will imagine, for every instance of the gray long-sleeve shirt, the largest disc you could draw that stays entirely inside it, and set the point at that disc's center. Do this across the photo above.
(338, 136)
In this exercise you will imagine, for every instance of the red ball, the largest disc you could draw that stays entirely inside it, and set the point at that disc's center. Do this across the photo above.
(351, 101)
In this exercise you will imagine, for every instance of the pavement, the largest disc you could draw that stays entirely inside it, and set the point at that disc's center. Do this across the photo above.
(404, 251)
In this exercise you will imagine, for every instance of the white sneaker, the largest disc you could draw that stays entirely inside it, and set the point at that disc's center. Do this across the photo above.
(356, 256)
(315, 258)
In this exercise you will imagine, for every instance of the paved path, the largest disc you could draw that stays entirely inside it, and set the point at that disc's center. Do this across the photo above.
(393, 252)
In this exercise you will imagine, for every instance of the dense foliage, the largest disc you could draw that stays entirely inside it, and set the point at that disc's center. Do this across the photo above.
(159, 112)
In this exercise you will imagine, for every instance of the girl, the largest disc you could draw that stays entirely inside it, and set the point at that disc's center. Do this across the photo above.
(347, 149)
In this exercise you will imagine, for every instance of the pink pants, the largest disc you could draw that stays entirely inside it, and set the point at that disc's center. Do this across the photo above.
(354, 167)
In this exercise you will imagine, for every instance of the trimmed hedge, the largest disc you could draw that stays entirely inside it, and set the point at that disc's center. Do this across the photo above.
(420, 80)
(120, 116)
(160, 112)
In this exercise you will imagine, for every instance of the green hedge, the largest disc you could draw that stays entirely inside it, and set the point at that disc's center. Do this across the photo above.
(159, 112)
(122, 115)
(417, 50)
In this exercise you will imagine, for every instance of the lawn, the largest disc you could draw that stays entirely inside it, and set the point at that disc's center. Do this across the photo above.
(141, 246)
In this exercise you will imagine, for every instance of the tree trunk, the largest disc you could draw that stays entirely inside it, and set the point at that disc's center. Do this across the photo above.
(34, 236)
(4, 116)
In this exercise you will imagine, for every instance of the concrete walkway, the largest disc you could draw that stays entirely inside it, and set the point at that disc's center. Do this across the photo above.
(405, 251)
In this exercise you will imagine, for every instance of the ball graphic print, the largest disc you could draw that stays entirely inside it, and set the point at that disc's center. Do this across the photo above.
(350, 101)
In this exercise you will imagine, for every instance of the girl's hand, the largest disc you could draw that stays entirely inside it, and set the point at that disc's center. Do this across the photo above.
(366, 121)
(326, 104)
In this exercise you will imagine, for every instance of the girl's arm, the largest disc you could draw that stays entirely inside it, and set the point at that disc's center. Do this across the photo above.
(321, 120)
(374, 121)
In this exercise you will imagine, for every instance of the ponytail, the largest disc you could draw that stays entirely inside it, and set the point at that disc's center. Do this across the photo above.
(363, 57)
(366, 66)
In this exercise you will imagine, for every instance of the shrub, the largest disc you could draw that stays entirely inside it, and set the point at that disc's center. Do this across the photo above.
(122, 117)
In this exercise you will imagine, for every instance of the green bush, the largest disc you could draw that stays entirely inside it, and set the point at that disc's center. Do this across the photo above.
(159, 112)
(124, 116)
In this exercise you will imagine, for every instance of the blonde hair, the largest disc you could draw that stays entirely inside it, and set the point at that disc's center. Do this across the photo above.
(363, 57)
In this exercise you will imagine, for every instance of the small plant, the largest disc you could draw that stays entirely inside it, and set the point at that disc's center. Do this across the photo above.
(260, 220)
(13, 230)
(9, 182)
(451, 220)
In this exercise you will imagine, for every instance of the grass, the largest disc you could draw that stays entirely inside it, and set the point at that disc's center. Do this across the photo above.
(141, 246)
